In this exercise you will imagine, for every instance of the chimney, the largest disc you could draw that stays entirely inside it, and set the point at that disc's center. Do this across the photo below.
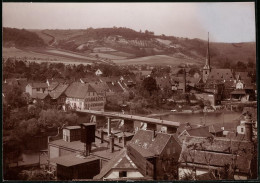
(108, 126)
(124, 139)
(248, 126)
(154, 135)
(102, 135)
(111, 143)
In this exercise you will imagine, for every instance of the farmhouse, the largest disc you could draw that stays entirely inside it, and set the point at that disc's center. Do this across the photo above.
(33, 88)
(161, 149)
(124, 167)
(83, 96)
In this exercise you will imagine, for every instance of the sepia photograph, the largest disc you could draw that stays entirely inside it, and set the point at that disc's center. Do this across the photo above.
(129, 91)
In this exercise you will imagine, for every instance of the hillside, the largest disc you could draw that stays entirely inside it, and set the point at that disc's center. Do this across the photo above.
(21, 38)
(127, 46)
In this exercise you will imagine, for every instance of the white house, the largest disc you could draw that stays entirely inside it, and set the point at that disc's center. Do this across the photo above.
(98, 72)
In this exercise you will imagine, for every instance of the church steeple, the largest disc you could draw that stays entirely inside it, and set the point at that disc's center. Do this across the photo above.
(206, 68)
(207, 64)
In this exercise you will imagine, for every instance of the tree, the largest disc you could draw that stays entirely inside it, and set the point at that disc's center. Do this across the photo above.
(14, 98)
(149, 84)
(54, 118)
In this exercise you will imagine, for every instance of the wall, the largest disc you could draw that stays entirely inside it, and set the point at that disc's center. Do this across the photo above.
(73, 102)
(210, 97)
(28, 89)
(114, 174)
(167, 162)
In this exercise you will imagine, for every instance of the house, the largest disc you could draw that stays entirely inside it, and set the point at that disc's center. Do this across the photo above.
(35, 88)
(216, 130)
(202, 131)
(98, 72)
(89, 80)
(141, 74)
(83, 96)
(57, 95)
(222, 157)
(125, 167)
(160, 149)
(241, 128)
(74, 166)
(100, 87)
(128, 81)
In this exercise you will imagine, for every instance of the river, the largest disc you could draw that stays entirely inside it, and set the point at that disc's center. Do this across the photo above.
(225, 118)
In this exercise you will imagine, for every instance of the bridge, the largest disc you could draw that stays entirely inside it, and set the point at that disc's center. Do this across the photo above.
(151, 123)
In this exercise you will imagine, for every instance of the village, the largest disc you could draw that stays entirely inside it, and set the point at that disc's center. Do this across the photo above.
(110, 124)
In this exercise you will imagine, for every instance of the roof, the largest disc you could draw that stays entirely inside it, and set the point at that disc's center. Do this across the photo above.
(101, 151)
(73, 159)
(252, 111)
(121, 161)
(99, 87)
(216, 152)
(89, 79)
(202, 131)
(215, 128)
(53, 85)
(78, 90)
(72, 127)
(238, 92)
(39, 85)
(221, 74)
(143, 72)
(115, 87)
(40, 96)
(61, 88)
(144, 142)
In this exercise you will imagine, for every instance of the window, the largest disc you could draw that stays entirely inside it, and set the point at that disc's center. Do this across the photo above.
(37, 89)
(242, 129)
(122, 174)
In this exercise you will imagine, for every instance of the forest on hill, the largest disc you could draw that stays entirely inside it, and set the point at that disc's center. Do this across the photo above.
(13, 37)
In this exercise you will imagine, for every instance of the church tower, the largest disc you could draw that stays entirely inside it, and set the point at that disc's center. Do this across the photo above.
(206, 68)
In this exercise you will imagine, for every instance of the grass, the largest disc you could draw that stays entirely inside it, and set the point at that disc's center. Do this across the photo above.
(108, 56)
(157, 60)
(40, 55)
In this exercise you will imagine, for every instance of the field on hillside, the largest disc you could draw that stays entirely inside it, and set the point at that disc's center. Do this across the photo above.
(39, 56)
(46, 38)
(108, 56)
(157, 60)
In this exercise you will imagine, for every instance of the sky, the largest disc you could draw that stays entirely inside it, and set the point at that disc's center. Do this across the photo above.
(225, 22)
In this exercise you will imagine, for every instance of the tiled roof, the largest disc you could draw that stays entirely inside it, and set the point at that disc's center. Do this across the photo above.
(252, 111)
(114, 87)
(72, 127)
(99, 87)
(90, 79)
(217, 152)
(144, 140)
(40, 96)
(199, 132)
(52, 86)
(121, 161)
(78, 90)
(72, 160)
(221, 74)
(39, 85)
(61, 87)
(215, 128)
